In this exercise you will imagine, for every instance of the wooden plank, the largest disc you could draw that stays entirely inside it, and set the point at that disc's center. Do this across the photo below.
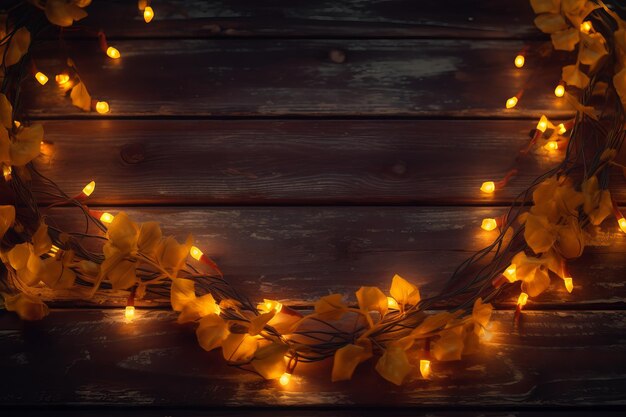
(91, 357)
(245, 78)
(298, 254)
(348, 18)
(293, 162)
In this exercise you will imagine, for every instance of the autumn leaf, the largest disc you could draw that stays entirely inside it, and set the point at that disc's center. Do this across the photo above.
(449, 346)
(6, 112)
(80, 97)
(539, 233)
(394, 365)
(598, 205)
(372, 299)
(64, 12)
(172, 255)
(404, 292)
(572, 75)
(197, 308)
(481, 313)
(182, 292)
(545, 6)
(346, 359)
(149, 237)
(532, 272)
(592, 48)
(269, 360)
(27, 306)
(565, 40)
(17, 47)
(27, 145)
(7, 218)
(239, 347)
(211, 332)
(330, 307)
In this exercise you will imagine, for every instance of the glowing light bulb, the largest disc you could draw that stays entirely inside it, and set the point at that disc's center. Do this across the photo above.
(425, 368)
(218, 310)
(195, 253)
(88, 190)
(284, 379)
(41, 77)
(523, 298)
(102, 107)
(510, 273)
(62, 78)
(113, 53)
(586, 27)
(54, 249)
(6, 171)
(489, 224)
(17, 124)
(542, 125)
(129, 313)
(561, 129)
(519, 61)
(569, 284)
(392, 303)
(106, 218)
(622, 224)
(148, 14)
(510, 103)
(559, 91)
(488, 187)
(552, 145)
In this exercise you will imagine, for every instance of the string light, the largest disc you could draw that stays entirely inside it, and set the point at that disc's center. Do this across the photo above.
(569, 284)
(102, 107)
(425, 368)
(392, 303)
(62, 78)
(542, 125)
(106, 218)
(284, 379)
(561, 129)
(6, 172)
(510, 273)
(559, 91)
(622, 224)
(519, 61)
(113, 53)
(89, 188)
(488, 187)
(129, 313)
(41, 77)
(586, 27)
(489, 224)
(17, 124)
(511, 102)
(148, 14)
(552, 145)
(521, 301)
(195, 253)
(272, 305)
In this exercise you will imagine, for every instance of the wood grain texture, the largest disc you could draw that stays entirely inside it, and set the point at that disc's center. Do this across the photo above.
(298, 254)
(293, 162)
(274, 78)
(328, 18)
(91, 357)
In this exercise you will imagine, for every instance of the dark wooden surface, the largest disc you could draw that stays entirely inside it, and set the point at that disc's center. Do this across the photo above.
(302, 176)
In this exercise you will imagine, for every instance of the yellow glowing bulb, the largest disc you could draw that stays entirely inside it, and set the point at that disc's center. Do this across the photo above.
(523, 298)
(561, 129)
(489, 224)
(284, 379)
(148, 14)
(542, 125)
(42, 78)
(62, 78)
(552, 145)
(17, 124)
(102, 107)
(129, 313)
(586, 27)
(107, 218)
(512, 102)
(89, 188)
(392, 303)
(519, 61)
(6, 171)
(195, 253)
(622, 224)
(54, 249)
(569, 284)
(113, 53)
(488, 187)
(559, 91)
(425, 368)
(510, 273)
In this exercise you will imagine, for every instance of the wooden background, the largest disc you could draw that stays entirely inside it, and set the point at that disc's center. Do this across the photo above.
(303, 176)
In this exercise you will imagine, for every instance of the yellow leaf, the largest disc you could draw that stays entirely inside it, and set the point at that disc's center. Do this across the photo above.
(330, 307)
(122, 275)
(550, 23)
(123, 233)
(258, 322)
(56, 275)
(149, 237)
(239, 347)
(570, 240)
(211, 332)
(597, 205)
(198, 308)
(27, 306)
(41, 240)
(63, 13)
(572, 75)
(269, 360)
(18, 256)
(346, 360)
(172, 255)
(17, 48)
(182, 292)
(545, 6)
(394, 365)
(481, 313)
(539, 234)
(80, 97)
(372, 299)
(449, 346)
(434, 322)
(6, 112)
(565, 40)
(7, 218)
(592, 48)
(27, 145)
(532, 272)
(404, 292)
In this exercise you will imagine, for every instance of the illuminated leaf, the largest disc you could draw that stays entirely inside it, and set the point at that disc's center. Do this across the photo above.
(18, 256)
(6, 112)
(198, 308)
(17, 48)
(481, 313)
(7, 218)
(239, 347)
(122, 275)
(449, 346)
(41, 240)
(570, 240)
(532, 272)
(346, 360)
(330, 307)
(545, 6)
(573, 76)
(592, 48)
(258, 322)
(565, 40)
(539, 234)
(434, 322)
(27, 145)
(394, 365)
(27, 306)
(149, 237)
(123, 233)
(181, 293)
(172, 255)
(404, 292)
(550, 23)
(269, 360)
(80, 97)
(63, 12)
(211, 332)
(597, 205)
(372, 299)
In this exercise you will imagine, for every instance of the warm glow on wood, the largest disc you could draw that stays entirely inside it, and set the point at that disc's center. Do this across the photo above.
(113, 52)
(102, 107)
(519, 61)
(89, 188)
(425, 368)
(148, 14)
(284, 379)
(512, 102)
(488, 187)
(42, 78)
(569, 284)
(489, 224)
(559, 91)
